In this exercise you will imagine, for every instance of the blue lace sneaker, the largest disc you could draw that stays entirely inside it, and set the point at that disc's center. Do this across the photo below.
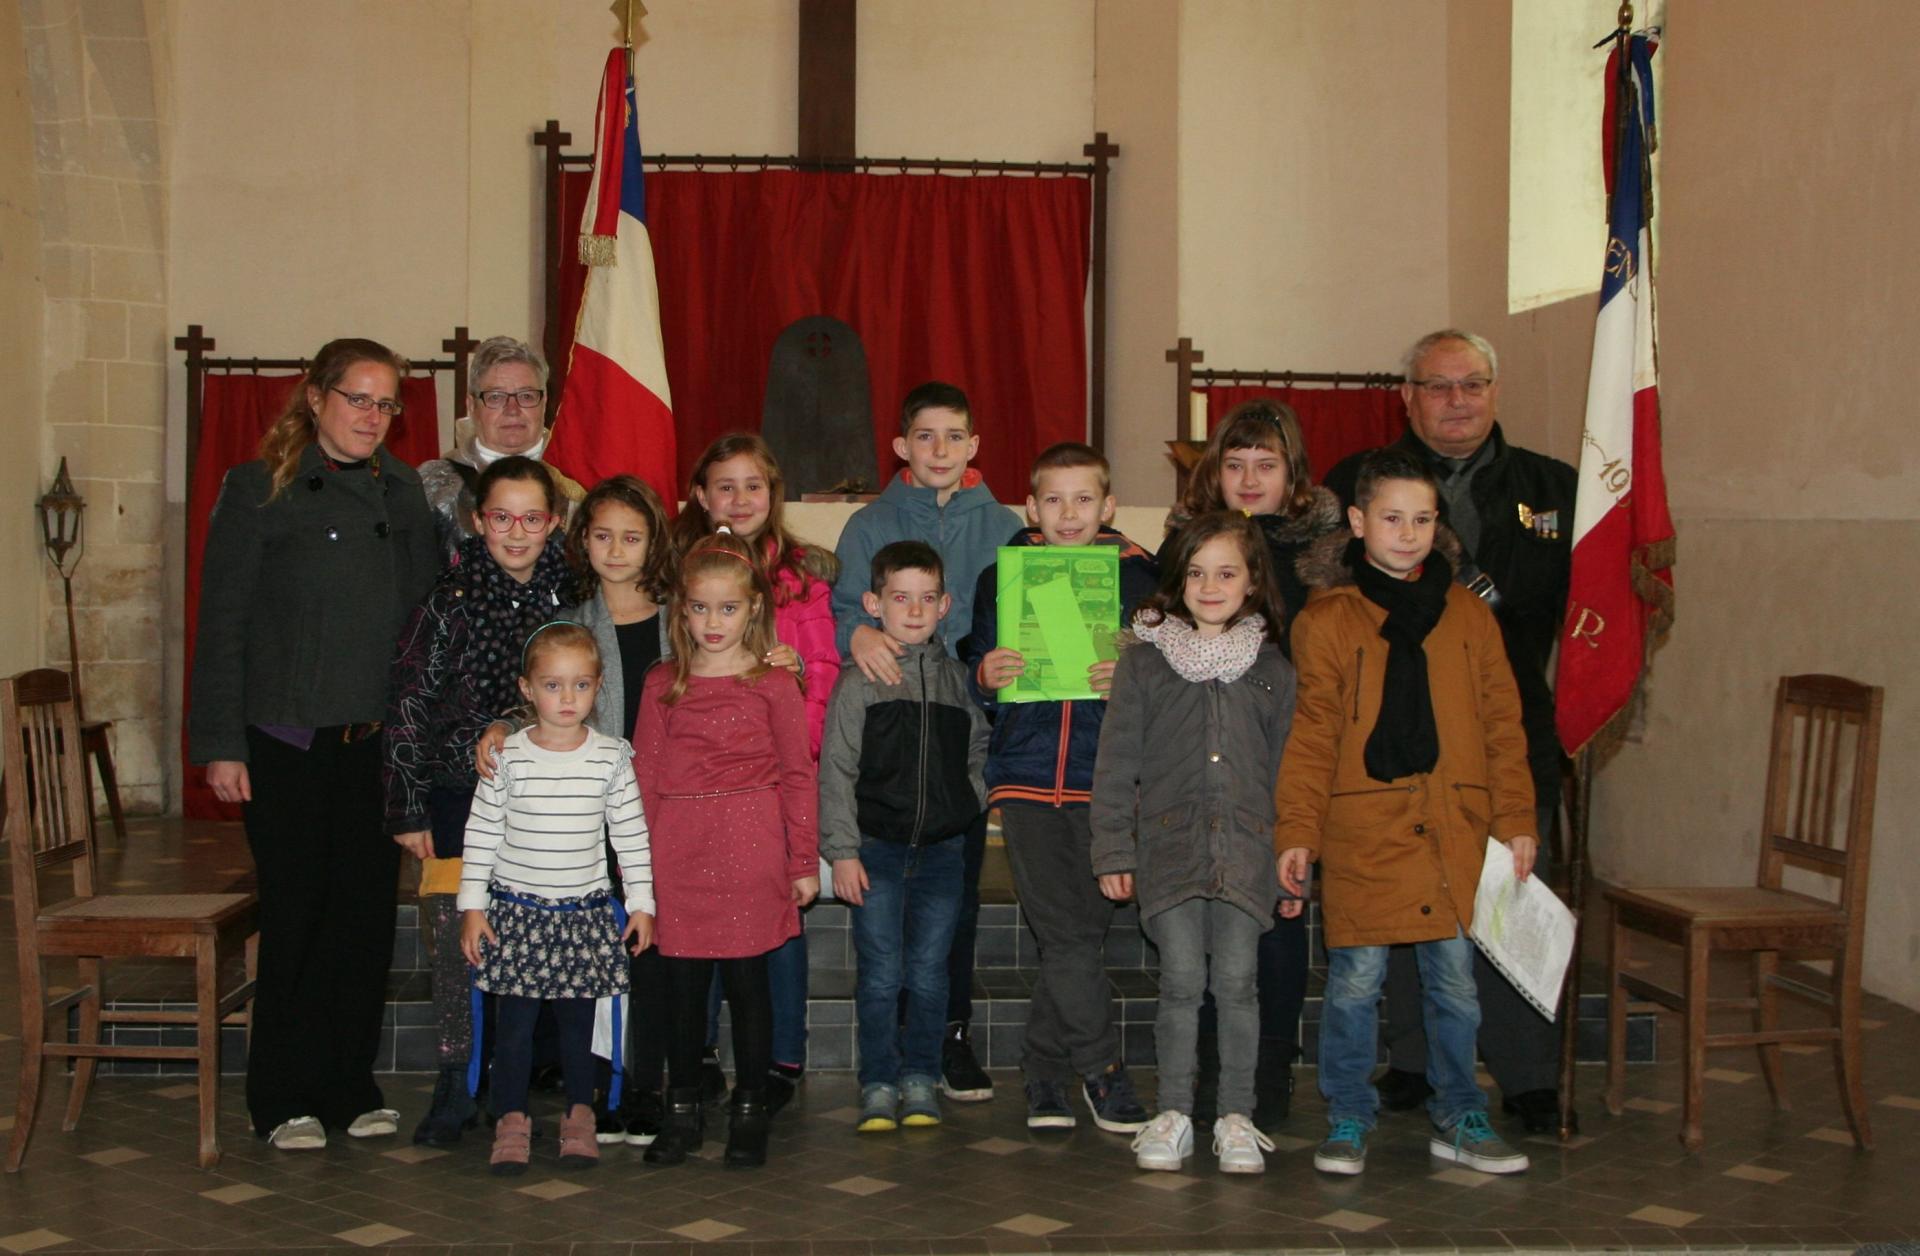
(1111, 1098)
(1345, 1150)
(1048, 1107)
(1473, 1143)
(879, 1108)
(919, 1102)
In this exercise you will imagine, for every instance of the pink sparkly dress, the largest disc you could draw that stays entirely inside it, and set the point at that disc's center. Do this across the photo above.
(730, 794)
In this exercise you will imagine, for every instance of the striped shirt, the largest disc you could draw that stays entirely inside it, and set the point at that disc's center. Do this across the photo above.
(539, 826)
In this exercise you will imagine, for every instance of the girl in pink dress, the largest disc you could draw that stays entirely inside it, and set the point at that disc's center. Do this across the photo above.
(729, 790)
(736, 484)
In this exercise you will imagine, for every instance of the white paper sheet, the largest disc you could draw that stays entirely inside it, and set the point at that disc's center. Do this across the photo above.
(1523, 929)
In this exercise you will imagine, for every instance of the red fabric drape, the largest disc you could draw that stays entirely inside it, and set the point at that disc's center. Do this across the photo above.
(235, 411)
(1335, 421)
(979, 281)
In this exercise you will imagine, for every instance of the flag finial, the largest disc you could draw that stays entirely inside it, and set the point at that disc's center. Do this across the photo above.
(629, 12)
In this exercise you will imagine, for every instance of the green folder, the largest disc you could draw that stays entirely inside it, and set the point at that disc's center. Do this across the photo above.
(1059, 605)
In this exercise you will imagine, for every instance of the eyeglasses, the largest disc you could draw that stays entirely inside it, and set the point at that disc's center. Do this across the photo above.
(1441, 389)
(497, 398)
(532, 521)
(360, 401)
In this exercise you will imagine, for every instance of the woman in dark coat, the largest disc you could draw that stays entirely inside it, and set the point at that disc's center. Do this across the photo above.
(316, 553)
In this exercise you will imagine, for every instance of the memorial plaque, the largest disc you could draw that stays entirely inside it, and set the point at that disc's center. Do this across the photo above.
(818, 416)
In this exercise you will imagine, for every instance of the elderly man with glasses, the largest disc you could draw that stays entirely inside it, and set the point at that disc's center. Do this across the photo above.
(1513, 512)
(506, 405)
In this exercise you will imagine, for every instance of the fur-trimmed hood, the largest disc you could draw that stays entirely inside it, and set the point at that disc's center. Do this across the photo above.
(1323, 565)
(1322, 515)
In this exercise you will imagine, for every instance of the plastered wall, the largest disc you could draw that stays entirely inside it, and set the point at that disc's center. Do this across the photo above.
(22, 307)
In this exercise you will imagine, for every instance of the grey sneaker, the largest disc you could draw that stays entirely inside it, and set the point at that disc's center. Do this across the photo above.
(302, 1133)
(1473, 1143)
(1048, 1107)
(879, 1108)
(374, 1124)
(1165, 1143)
(1345, 1150)
(919, 1102)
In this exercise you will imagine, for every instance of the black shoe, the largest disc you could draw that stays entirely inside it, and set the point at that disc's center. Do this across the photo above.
(1273, 1084)
(1539, 1111)
(683, 1130)
(608, 1128)
(452, 1112)
(961, 1077)
(713, 1078)
(1401, 1091)
(1111, 1098)
(747, 1122)
(782, 1081)
(641, 1112)
(1206, 1080)
(1048, 1107)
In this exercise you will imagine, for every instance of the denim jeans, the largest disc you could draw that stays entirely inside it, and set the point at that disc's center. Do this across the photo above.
(787, 975)
(1350, 1029)
(1206, 945)
(901, 935)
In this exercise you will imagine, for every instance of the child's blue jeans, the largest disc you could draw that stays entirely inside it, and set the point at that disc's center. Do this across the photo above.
(1350, 1029)
(900, 939)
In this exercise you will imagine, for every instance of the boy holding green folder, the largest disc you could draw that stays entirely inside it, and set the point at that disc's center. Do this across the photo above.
(1040, 775)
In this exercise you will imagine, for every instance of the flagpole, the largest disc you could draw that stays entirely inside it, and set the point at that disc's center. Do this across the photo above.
(1579, 816)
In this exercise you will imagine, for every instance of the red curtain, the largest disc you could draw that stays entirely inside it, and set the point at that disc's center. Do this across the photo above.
(235, 411)
(1335, 421)
(980, 281)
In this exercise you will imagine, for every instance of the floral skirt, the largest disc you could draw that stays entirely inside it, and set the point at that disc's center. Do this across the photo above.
(552, 948)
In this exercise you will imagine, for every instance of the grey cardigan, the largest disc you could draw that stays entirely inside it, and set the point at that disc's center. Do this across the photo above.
(1183, 783)
(594, 616)
(303, 597)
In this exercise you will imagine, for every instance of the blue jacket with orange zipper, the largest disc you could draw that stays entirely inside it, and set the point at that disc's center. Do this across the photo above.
(1043, 752)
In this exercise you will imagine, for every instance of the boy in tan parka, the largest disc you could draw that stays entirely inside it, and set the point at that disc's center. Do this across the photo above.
(1406, 753)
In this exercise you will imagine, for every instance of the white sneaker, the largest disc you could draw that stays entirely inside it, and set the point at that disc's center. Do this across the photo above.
(1165, 1143)
(375, 1123)
(302, 1133)
(1239, 1143)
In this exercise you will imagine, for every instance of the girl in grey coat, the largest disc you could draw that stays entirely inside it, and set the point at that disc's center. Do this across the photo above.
(1183, 814)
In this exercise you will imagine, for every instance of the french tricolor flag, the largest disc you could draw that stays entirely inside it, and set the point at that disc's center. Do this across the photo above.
(1621, 587)
(616, 415)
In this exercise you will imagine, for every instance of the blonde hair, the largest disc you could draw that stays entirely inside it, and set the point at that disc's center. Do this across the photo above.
(719, 553)
(297, 427)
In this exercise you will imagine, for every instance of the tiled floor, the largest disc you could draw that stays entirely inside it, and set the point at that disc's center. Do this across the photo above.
(980, 1183)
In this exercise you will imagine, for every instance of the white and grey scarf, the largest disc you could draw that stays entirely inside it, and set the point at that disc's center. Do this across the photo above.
(1225, 657)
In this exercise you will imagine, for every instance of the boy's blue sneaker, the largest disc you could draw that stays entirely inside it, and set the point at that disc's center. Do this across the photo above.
(919, 1102)
(1345, 1150)
(879, 1108)
(1048, 1107)
(1473, 1143)
(1111, 1098)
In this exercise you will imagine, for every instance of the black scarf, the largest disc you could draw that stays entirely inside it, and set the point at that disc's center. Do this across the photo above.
(1404, 739)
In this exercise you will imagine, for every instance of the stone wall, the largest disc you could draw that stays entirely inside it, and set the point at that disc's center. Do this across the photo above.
(96, 83)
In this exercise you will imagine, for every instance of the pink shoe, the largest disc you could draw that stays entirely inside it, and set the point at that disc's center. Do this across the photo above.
(512, 1140)
(579, 1149)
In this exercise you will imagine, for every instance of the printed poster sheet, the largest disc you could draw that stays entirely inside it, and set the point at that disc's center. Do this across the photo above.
(1523, 930)
(1059, 605)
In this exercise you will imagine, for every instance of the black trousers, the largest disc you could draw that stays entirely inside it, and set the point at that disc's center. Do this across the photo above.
(328, 882)
(960, 954)
(1521, 1047)
(516, 1018)
(1282, 982)
(749, 1000)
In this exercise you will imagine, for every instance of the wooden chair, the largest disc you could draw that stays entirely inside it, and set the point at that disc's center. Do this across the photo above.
(48, 825)
(1823, 763)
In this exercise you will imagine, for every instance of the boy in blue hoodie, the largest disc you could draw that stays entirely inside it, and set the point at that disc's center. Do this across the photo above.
(939, 499)
(1040, 775)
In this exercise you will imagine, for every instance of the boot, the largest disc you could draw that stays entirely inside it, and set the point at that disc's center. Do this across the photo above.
(452, 1113)
(747, 1122)
(1273, 1084)
(579, 1149)
(512, 1140)
(684, 1129)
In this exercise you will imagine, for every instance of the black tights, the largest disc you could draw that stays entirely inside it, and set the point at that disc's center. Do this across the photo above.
(750, 1000)
(514, 1019)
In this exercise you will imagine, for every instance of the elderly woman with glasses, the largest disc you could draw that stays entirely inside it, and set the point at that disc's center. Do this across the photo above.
(316, 554)
(506, 405)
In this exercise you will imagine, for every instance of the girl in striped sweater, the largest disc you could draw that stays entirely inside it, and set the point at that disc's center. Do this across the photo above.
(537, 921)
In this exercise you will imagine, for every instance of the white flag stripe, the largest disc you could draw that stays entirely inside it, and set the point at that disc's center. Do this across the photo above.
(627, 330)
